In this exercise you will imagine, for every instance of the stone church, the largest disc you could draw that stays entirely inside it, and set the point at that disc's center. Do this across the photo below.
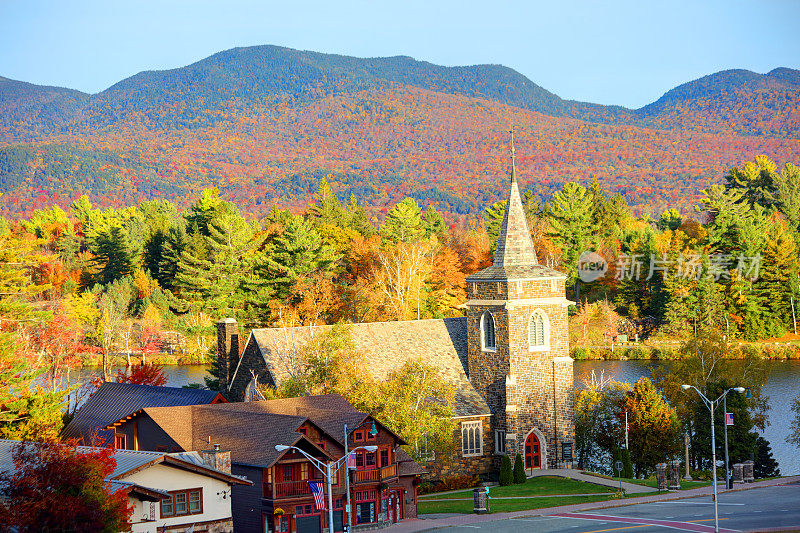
(507, 359)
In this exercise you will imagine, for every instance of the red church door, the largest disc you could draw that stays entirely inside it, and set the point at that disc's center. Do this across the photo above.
(533, 454)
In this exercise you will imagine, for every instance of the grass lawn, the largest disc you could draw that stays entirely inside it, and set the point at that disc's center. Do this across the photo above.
(536, 486)
(501, 506)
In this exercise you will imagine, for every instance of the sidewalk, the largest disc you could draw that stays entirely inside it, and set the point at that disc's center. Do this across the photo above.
(630, 488)
(442, 521)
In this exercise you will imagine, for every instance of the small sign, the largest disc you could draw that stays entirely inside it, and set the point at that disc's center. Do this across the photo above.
(618, 466)
(728, 419)
(566, 451)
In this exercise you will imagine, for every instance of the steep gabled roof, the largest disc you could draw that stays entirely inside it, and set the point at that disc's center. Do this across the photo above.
(514, 256)
(385, 347)
(248, 433)
(113, 401)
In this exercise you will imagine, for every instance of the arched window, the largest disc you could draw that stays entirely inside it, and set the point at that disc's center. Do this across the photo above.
(487, 330)
(538, 334)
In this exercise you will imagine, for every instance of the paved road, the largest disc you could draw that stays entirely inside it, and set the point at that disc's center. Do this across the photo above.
(770, 508)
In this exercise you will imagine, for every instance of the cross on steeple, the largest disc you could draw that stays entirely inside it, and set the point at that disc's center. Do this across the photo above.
(513, 158)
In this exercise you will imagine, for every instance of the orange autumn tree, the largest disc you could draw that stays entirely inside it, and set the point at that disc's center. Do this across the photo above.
(654, 426)
(59, 487)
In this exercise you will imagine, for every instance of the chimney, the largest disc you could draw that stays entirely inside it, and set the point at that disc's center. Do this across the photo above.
(217, 459)
(227, 351)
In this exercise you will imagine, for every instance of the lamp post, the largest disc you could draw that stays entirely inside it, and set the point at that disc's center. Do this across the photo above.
(711, 404)
(325, 470)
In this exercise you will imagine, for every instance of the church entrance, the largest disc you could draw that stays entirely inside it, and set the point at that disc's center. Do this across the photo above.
(533, 452)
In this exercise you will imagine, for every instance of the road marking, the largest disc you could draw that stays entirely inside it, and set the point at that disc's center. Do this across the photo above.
(690, 503)
(643, 525)
(672, 524)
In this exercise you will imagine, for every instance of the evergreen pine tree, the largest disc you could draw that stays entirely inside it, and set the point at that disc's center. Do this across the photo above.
(506, 474)
(327, 209)
(572, 227)
(112, 255)
(519, 470)
(764, 464)
(433, 222)
(404, 222)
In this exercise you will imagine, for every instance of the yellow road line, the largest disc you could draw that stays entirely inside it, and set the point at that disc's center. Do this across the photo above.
(647, 525)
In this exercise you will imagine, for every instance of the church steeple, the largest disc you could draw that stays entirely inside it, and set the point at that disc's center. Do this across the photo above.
(514, 244)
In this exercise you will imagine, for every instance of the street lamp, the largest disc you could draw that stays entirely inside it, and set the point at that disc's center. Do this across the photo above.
(326, 470)
(711, 404)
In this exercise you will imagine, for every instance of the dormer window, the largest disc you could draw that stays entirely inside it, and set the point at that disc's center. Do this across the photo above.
(488, 332)
(538, 331)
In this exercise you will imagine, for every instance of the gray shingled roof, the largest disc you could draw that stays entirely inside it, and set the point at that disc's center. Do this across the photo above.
(386, 346)
(510, 273)
(250, 434)
(114, 401)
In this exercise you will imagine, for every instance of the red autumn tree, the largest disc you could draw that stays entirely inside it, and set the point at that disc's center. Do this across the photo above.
(143, 375)
(57, 487)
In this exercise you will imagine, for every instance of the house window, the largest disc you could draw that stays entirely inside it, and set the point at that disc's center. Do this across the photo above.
(167, 507)
(384, 458)
(195, 503)
(303, 431)
(358, 436)
(488, 331)
(471, 438)
(304, 471)
(553, 285)
(120, 441)
(182, 502)
(538, 331)
(500, 442)
(287, 473)
(359, 460)
(369, 459)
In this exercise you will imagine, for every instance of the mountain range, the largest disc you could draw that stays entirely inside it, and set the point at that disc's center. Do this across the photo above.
(264, 123)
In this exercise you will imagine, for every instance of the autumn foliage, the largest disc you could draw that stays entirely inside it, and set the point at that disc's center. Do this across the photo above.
(60, 487)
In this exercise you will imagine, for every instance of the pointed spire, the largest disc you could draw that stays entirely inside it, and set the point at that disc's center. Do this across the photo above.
(514, 244)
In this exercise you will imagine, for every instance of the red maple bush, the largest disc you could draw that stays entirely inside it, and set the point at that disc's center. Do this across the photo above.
(56, 487)
(143, 375)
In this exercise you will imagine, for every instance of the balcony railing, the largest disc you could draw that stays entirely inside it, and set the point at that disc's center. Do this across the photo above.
(286, 489)
(375, 475)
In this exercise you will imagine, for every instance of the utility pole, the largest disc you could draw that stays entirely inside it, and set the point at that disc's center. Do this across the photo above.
(725, 429)
(347, 480)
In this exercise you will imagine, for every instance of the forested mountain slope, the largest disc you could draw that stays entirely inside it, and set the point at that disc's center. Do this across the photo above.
(264, 123)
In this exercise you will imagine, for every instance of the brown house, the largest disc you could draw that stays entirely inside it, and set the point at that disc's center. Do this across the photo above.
(383, 488)
(507, 359)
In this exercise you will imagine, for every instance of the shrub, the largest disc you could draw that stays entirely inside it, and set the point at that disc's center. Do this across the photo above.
(449, 483)
(580, 353)
(506, 475)
(519, 470)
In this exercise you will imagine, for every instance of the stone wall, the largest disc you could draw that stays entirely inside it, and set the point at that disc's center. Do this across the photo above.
(456, 464)
(525, 388)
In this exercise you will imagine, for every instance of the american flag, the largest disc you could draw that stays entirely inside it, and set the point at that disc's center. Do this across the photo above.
(351, 460)
(728, 419)
(319, 496)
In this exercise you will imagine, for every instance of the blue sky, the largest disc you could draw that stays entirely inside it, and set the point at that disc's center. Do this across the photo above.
(610, 52)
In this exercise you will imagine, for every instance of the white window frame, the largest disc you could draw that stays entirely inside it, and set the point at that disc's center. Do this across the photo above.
(500, 442)
(472, 438)
(424, 451)
(538, 313)
(487, 315)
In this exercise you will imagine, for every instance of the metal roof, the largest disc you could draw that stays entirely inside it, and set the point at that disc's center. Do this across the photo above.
(114, 401)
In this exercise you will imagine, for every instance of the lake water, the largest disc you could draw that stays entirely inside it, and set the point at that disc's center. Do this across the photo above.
(782, 386)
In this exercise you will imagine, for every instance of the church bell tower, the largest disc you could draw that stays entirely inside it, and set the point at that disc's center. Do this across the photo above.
(518, 344)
